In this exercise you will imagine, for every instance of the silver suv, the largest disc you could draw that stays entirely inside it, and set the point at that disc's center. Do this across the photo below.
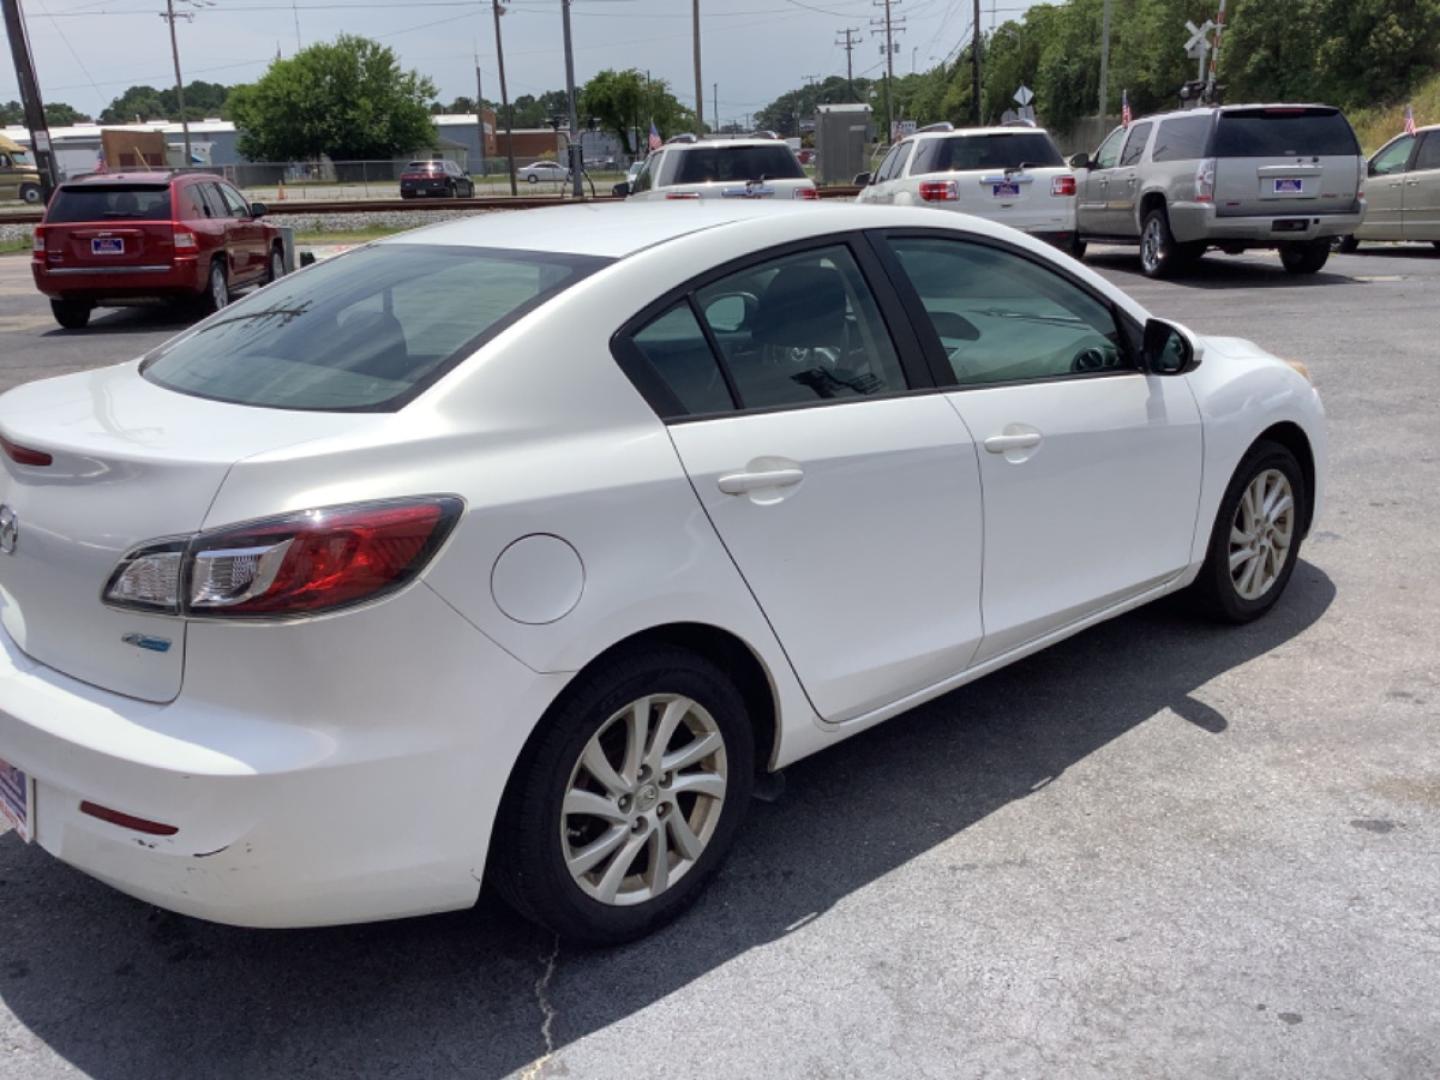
(748, 167)
(1232, 177)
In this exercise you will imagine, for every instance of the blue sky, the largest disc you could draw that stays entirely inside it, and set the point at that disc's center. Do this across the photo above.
(89, 51)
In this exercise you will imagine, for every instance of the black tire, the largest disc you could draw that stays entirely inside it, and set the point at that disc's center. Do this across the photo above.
(1077, 247)
(30, 193)
(527, 862)
(533, 178)
(1347, 245)
(451, 191)
(1437, 244)
(1158, 258)
(1306, 257)
(1215, 590)
(71, 314)
(1189, 254)
(217, 292)
(275, 269)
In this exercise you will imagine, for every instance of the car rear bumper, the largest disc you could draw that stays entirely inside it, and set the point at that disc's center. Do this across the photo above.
(299, 798)
(429, 187)
(1190, 222)
(178, 277)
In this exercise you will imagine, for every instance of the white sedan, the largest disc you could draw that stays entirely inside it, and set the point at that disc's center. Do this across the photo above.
(518, 548)
(544, 170)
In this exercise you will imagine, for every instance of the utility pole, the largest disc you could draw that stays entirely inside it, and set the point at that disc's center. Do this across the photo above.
(1104, 65)
(504, 96)
(30, 96)
(480, 111)
(1215, 55)
(889, 26)
(699, 83)
(169, 16)
(849, 46)
(975, 68)
(715, 105)
(574, 148)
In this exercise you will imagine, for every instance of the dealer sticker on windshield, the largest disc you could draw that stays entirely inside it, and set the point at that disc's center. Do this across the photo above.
(107, 245)
(1289, 186)
(1005, 191)
(17, 799)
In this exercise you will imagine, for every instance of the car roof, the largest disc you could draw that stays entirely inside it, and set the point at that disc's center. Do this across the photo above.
(1025, 130)
(101, 179)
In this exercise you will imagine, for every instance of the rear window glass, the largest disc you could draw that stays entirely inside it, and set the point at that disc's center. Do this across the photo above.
(706, 163)
(110, 202)
(967, 152)
(365, 331)
(1262, 133)
(1183, 139)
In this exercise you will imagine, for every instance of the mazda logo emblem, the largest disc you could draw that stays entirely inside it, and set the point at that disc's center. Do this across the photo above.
(9, 530)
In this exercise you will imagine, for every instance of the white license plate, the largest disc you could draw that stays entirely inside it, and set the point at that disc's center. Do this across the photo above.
(1289, 186)
(1005, 191)
(17, 800)
(107, 245)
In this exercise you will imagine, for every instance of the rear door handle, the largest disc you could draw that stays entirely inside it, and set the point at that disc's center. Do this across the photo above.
(742, 483)
(998, 444)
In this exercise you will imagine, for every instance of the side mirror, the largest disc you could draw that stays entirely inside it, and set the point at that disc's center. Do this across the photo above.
(1169, 349)
(258, 209)
(621, 190)
(1079, 161)
(862, 179)
(1370, 170)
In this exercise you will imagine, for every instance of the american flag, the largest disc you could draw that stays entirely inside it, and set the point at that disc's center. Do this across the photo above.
(655, 142)
(1409, 120)
(1125, 115)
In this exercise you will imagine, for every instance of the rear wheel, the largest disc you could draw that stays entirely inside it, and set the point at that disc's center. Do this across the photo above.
(217, 289)
(71, 314)
(276, 269)
(1157, 246)
(614, 821)
(30, 193)
(451, 191)
(1077, 247)
(1305, 257)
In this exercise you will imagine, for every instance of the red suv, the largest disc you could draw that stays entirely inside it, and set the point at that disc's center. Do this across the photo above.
(113, 240)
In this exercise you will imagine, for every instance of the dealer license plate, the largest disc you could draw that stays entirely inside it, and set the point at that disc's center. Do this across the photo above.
(107, 245)
(17, 799)
(1289, 186)
(1005, 191)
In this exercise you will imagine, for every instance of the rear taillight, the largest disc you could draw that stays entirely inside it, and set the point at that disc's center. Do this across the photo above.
(1062, 185)
(185, 240)
(299, 564)
(1205, 181)
(23, 455)
(806, 193)
(37, 242)
(682, 195)
(939, 190)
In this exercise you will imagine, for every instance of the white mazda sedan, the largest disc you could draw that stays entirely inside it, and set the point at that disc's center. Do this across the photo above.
(519, 548)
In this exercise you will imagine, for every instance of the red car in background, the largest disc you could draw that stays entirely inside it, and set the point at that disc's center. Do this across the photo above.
(123, 238)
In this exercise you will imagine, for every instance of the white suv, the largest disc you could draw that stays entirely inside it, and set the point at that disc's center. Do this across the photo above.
(1013, 175)
(753, 167)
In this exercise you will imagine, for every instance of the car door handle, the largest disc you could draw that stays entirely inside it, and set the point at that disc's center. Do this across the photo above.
(742, 483)
(999, 444)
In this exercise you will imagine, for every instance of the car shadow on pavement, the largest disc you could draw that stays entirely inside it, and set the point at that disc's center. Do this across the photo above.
(1220, 271)
(120, 990)
(147, 319)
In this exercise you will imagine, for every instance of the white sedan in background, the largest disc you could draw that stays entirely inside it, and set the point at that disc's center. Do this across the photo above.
(515, 548)
(543, 170)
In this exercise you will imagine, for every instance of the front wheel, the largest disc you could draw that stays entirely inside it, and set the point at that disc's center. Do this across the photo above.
(1157, 246)
(1077, 247)
(71, 314)
(1255, 542)
(276, 270)
(1348, 245)
(533, 178)
(633, 794)
(1305, 257)
(30, 193)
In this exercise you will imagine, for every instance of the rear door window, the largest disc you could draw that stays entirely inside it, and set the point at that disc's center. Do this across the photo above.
(110, 202)
(1429, 155)
(1284, 132)
(191, 203)
(678, 353)
(365, 331)
(1182, 139)
(966, 153)
(213, 201)
(708, 163)
(1135, 145)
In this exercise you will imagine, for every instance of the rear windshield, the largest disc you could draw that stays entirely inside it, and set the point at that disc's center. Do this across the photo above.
(706, 163)
(966, 152)
(1264, 133)
(110, 202)
(362, 332)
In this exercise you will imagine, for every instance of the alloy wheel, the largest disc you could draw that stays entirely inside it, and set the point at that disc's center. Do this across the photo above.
(219, 290)
(1261, 534)
(1150, 245)
(644, 799)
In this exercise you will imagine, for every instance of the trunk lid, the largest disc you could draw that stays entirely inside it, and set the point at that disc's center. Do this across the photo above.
(1285, 160)
(105, 225)
(131, 463)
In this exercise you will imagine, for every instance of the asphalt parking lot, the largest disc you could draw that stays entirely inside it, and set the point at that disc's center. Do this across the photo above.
(1160, 849)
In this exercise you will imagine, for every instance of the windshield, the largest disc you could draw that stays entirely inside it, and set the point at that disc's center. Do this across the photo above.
(110, 202)
(964, 153)
(1283, 132)
(707, 163)
(366, 331)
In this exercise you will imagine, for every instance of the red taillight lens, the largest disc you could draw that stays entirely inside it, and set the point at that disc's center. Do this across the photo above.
(299, 564)
(1062, 185)
(939, 190)
(682, 195)
(37, 242)
(185, 240)
(127, 821)
(23, 455)
(806, 193)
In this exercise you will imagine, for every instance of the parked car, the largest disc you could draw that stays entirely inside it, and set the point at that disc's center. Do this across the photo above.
(1012, 174)
(517, 548)
(544, 170)
(1234, 177)
(440, 177)
(687, 167)
(125, 238)
(19, 179)
(1402, 195)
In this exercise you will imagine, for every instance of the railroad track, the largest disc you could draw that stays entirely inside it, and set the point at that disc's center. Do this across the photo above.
(363, 206)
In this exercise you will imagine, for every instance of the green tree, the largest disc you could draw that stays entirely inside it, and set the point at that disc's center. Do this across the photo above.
(347, 99)
(57, 114)
(11, 112)
(783, 115)
(625, 103)
(141, 103)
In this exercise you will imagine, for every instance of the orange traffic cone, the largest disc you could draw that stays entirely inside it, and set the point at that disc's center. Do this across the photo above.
(280, 195)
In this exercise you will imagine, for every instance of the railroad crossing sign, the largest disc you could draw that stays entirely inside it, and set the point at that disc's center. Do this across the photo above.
(1199, 43)
(1024, 96)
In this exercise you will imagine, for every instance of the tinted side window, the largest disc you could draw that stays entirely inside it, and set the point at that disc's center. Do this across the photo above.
(1183, 139)
(234, 202)
(1109, 153)
(1003, 318)
(4, 161)
(1429, 156)
(192, 205)
(1394, 157)
(677, 351)
(216, 205)
(1135, 145)
(906, 149)
(645, 178)
(813, 331)
(887, 167)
